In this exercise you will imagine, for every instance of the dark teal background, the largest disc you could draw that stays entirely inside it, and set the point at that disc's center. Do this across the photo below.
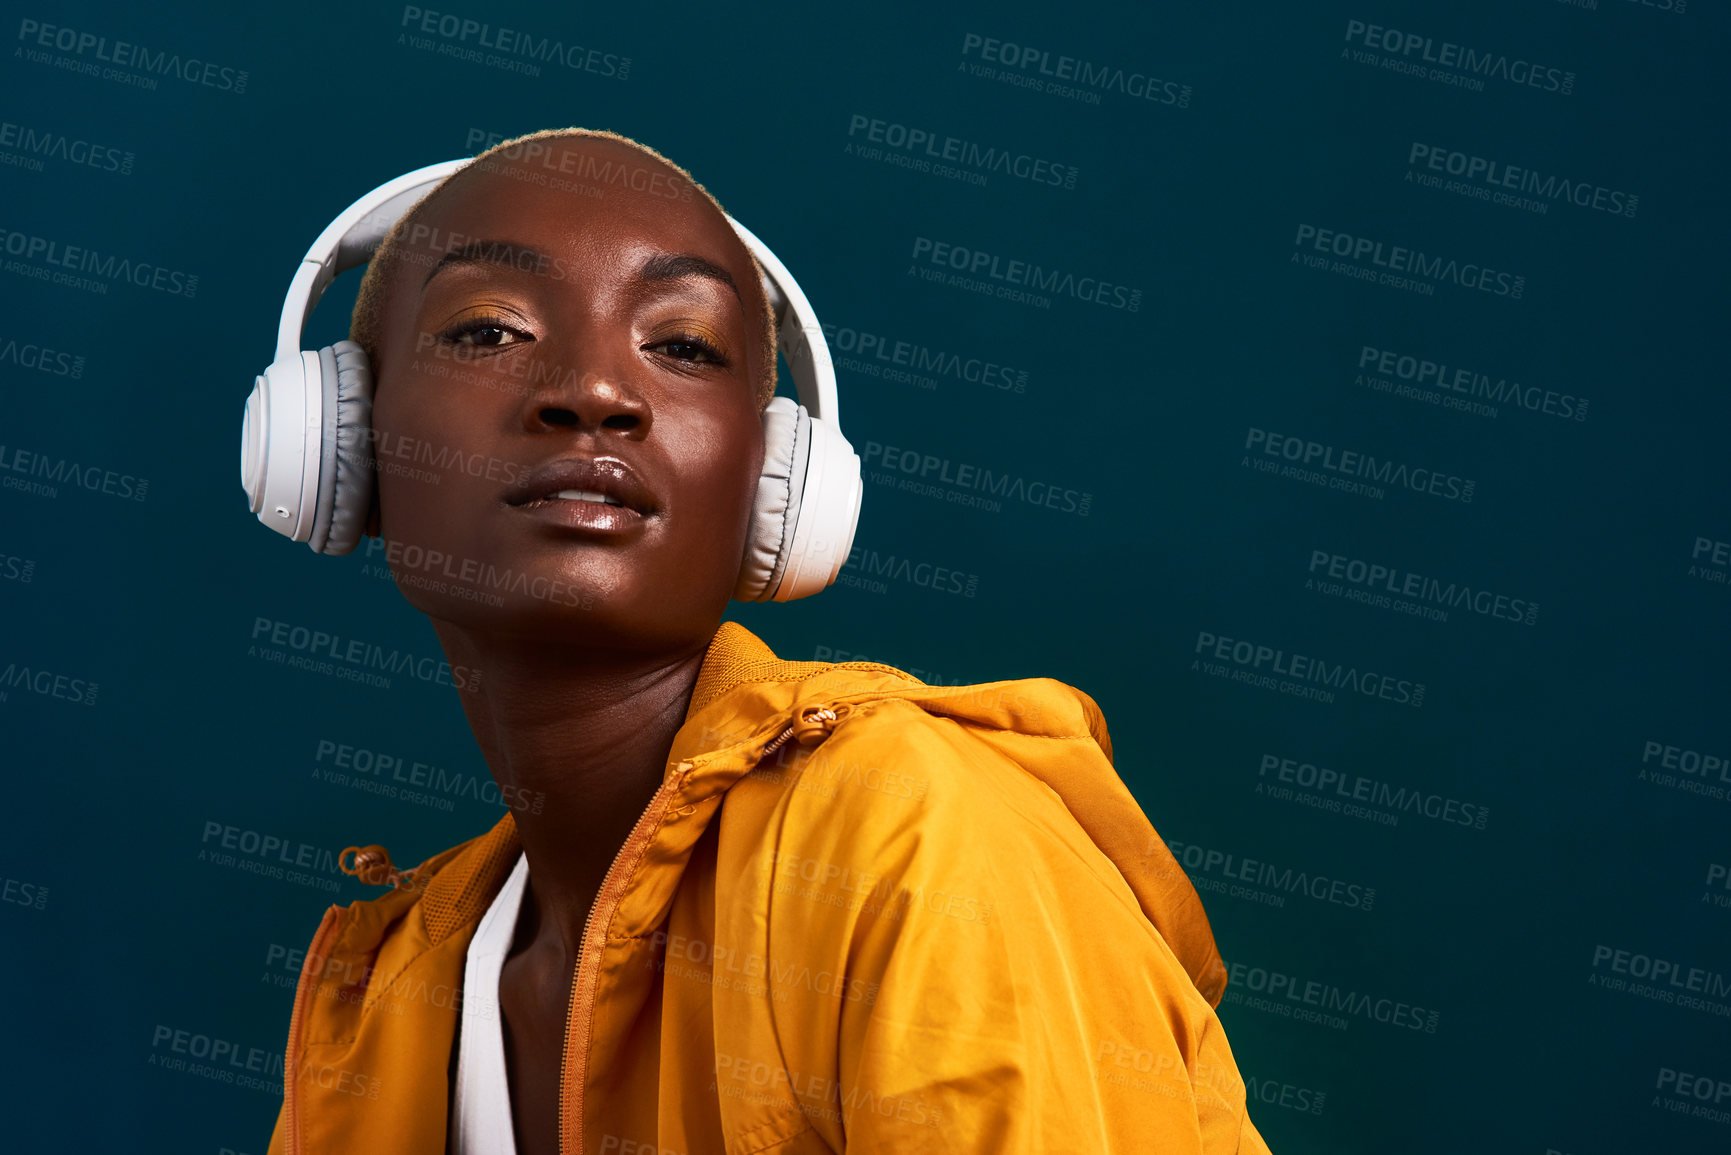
(1495, 930)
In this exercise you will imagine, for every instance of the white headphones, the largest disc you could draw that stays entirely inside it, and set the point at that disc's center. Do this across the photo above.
(308, 474)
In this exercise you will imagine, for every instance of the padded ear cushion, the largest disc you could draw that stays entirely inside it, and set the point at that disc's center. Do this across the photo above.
(786, 447)
(828, 515)
(345, 463)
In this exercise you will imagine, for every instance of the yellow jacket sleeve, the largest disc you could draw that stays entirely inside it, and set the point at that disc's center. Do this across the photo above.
(1022, 1001)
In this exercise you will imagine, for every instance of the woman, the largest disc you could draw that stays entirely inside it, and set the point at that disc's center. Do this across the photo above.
(739, 904)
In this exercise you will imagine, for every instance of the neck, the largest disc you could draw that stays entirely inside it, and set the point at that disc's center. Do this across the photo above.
(577, 740)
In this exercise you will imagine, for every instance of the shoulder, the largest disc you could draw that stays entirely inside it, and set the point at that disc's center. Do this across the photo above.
(952, 789)
(1003, 791)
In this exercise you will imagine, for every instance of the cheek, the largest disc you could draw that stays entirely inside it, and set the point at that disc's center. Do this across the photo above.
(431, 457)
(720, 461)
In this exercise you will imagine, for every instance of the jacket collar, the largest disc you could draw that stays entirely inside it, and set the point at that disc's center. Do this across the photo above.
(465, 880)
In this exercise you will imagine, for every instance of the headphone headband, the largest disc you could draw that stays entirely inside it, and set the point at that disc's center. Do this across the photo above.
(354, 236)
(308, 474)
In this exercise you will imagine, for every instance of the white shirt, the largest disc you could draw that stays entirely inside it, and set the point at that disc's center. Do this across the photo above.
(481, 1110)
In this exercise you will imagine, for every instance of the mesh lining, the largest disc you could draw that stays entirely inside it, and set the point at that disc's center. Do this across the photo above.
(737, 656)
(461, 890)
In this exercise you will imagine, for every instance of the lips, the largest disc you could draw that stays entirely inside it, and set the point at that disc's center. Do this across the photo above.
(605, 482)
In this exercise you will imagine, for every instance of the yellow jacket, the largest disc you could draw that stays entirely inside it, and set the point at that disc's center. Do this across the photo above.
(944, 925)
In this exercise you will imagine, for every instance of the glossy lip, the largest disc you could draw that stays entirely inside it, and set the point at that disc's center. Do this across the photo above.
(605, 475)
(608, 476)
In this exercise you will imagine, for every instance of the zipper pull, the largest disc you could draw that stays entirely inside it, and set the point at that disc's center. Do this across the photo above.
(372, 865)
(809, 727)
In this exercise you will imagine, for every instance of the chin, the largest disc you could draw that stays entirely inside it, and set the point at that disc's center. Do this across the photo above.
(556, 611)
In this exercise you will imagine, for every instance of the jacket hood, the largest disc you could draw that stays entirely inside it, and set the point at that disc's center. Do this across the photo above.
(1052, 730)
(744, 698)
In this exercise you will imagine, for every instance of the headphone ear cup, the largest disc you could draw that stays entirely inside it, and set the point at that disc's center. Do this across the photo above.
(775, 509)
(346, 474)
(825, 516)
(279, 443)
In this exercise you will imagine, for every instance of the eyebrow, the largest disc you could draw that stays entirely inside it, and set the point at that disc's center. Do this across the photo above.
(526, 258)
(673, 266)
(660, 267)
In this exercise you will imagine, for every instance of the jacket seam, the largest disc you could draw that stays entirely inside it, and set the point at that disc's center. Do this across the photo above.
(930, 710)
(804, 1129)
(775, 1026)
(775, 679)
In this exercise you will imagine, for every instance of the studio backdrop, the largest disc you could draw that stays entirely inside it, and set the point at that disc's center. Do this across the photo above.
(1335, 391)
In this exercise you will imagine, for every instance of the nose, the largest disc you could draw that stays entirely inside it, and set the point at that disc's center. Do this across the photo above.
(587, 400)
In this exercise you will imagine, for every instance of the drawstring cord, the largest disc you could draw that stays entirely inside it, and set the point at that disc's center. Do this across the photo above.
(372, 865)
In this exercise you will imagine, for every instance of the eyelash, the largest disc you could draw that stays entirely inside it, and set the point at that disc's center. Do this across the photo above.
(709, 351)
(455, 333)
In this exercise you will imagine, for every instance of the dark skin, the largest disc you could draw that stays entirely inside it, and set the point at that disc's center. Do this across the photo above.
(592, 351)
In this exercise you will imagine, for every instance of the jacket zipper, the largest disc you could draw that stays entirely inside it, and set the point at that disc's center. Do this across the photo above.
(574, 1064)
(315, 960)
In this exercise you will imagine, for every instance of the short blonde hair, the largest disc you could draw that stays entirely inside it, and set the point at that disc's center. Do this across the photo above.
(366, 323)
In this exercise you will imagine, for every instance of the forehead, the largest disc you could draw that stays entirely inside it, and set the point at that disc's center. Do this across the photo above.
(578, 194)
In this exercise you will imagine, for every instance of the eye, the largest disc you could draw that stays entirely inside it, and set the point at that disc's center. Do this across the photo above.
(484, 332)
(687, 348)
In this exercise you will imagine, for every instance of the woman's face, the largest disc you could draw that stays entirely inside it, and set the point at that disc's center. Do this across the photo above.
(566, 423)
